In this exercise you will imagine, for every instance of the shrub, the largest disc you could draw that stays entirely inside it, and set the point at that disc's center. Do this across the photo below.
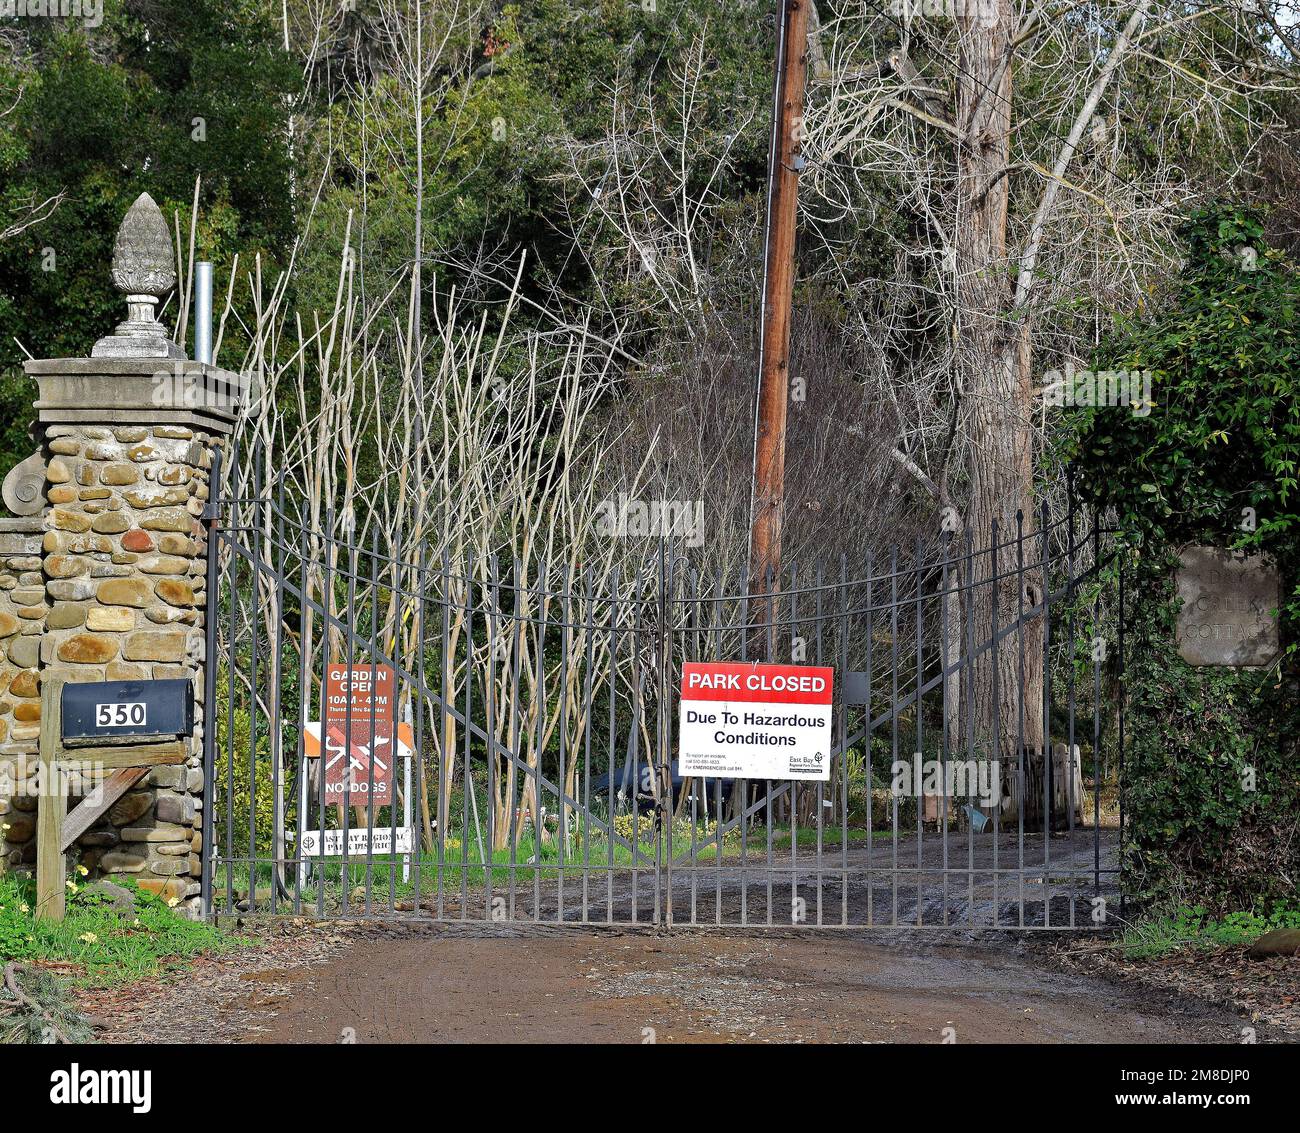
(231, 785)
(1222, 436)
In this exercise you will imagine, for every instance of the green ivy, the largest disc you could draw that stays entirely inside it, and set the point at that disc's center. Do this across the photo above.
(1222, 436)
(1212, 790)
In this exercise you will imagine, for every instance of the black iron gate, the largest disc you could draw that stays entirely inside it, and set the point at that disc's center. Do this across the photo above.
(530, 710)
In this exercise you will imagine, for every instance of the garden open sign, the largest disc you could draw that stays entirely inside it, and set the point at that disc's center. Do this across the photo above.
(360, 735)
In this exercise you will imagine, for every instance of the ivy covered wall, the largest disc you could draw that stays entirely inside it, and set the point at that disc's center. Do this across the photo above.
(1213, 753)
(1212, 764)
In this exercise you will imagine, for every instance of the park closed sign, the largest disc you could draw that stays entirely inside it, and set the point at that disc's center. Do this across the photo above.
(745, 721)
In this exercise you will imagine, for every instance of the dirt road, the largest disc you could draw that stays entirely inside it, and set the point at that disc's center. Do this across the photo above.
(374, 984)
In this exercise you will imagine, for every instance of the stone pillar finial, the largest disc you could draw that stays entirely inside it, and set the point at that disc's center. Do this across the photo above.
(144, 271)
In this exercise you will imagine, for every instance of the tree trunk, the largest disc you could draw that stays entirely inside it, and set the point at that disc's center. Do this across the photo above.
(993, 361)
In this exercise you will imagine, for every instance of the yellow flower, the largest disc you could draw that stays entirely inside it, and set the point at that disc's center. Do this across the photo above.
(81, 869)
(23, 908)
(72, 885)
(88, 938)
(173, 902)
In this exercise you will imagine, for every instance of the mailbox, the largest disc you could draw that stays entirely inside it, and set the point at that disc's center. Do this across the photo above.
(133, 710)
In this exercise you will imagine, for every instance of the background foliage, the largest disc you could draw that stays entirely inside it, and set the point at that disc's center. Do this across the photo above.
(1223, 435)
(622, 152)
(104, 114)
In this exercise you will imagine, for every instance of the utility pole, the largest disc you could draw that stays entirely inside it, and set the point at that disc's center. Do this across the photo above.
(768, 500)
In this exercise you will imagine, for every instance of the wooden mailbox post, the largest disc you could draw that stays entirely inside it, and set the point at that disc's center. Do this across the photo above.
(122, 763)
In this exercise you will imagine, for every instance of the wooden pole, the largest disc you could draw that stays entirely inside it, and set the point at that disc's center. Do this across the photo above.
(51, 806)
(121, 764)
(768, 499)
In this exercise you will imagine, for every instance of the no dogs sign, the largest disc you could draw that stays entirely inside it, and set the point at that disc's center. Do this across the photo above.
(360, 701)
(742, 721)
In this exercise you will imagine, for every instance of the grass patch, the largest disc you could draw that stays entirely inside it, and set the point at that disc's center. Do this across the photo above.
(99, 946)
(1192, 927)
(461, 864)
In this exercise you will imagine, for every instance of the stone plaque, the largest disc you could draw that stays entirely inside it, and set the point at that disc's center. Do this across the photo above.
(1229, 604)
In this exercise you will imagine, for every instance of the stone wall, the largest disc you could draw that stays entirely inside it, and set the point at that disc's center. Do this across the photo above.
(22, 620)
(125, 561)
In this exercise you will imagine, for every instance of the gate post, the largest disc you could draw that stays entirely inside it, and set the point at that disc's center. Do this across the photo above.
(22, 616)
(127, 438)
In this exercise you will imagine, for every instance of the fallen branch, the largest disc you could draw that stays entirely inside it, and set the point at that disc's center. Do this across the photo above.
(24, 1001)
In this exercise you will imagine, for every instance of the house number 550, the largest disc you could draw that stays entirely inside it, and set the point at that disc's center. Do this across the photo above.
(120, 715)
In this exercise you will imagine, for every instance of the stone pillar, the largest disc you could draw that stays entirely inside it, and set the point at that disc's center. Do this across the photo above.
(22, 621)
(128, 437)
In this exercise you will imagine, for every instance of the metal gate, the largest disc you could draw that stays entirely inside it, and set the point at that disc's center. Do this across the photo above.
(975, 774)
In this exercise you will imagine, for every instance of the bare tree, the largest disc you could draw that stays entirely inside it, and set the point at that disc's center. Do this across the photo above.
(1014, 215)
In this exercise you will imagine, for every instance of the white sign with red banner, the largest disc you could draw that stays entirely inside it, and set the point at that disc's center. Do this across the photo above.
(745, 721)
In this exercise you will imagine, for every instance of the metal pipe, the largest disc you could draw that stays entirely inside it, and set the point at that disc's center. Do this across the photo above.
(203, 312)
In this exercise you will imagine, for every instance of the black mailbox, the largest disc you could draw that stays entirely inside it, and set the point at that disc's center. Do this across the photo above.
(137, 710)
